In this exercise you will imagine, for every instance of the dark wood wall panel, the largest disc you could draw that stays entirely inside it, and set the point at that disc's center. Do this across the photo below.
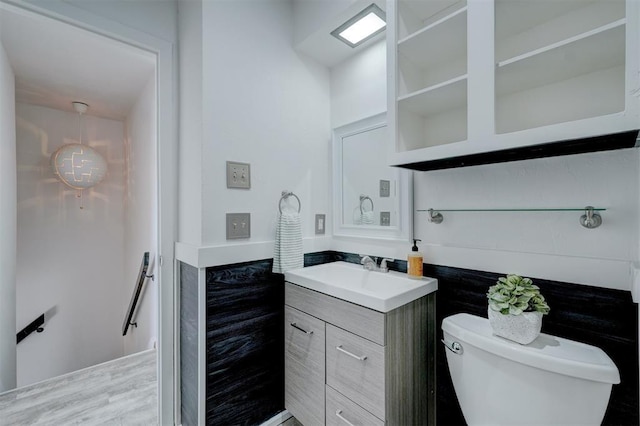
(245, 361)
(189, 344)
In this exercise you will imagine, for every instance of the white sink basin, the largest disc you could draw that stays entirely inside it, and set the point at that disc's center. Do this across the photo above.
(380, 291)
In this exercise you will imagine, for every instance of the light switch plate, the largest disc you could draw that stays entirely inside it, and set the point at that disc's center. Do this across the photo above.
(238, 225)
(385, 188)
(321, 224)
(238, 175)
(385, 218)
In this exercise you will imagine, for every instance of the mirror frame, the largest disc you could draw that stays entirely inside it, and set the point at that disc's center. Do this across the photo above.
(403, 230)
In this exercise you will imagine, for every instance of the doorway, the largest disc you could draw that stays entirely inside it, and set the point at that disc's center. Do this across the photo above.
(78, 265)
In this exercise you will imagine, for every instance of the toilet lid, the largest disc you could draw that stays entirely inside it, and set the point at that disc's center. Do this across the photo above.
(547, 352)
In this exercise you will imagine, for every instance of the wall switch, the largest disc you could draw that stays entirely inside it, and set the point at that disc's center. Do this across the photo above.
(238, 175)
(385, 188)
(321, 224)
(238, 225)
(385, 218)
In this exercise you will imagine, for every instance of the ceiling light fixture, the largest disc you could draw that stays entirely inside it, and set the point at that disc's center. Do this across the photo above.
(76, 165)
(362, 27)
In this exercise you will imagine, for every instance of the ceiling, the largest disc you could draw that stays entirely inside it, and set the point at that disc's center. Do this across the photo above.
(56, 64)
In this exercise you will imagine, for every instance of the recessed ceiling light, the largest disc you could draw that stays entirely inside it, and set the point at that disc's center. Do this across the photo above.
(365, 25)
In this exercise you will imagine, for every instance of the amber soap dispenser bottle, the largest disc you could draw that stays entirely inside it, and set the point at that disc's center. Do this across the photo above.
(414, 262)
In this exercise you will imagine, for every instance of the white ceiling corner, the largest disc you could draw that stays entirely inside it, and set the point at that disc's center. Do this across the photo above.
(56, 64)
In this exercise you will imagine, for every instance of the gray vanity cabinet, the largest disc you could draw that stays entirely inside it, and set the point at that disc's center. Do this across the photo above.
(347, 364)
(304, 366)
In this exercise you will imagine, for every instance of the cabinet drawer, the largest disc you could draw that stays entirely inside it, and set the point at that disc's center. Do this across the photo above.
(341, 410)
(304, 366)
(355, 368)
(362, 321)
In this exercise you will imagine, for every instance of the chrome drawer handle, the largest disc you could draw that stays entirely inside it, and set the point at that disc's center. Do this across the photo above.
(359, 358)
(294, 325)
(339, 414)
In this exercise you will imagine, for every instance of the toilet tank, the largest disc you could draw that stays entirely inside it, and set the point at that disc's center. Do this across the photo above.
(551, 381)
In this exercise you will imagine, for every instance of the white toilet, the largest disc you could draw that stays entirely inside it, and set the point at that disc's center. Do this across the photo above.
(551, 381)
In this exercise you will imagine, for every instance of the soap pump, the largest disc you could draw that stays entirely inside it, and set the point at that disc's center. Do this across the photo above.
(414, 262)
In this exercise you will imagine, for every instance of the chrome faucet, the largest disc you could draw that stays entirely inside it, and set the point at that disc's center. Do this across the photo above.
(383, 265)
(368, 263)
(371, 264)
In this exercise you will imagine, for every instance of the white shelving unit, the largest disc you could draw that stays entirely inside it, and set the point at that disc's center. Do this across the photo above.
(431, 92)
(476, 76)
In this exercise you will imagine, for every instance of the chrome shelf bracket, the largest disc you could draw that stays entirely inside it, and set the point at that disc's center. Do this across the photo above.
(590, 219)
(435, 216)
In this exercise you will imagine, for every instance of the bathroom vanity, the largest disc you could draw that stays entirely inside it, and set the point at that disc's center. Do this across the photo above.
(349, 363)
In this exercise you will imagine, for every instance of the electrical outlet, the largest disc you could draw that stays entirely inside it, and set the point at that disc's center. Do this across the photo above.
(238, 225)
(385, 218)
(238, 175)
(385, 188)
(321, 224)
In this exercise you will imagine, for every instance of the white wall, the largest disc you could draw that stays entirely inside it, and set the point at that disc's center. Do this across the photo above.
(70, 261)
(359, 86)
(191, 140)
(549, 245)
(265, 105)
(7, 224)
(140, 212)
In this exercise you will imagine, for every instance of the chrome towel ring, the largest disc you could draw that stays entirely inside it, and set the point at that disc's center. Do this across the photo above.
(363, 198)
(285, 195)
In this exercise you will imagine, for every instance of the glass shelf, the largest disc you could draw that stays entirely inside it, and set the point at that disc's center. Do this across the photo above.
(595, 209)
(590, 219)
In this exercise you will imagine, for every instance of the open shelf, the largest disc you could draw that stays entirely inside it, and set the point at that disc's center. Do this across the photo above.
(414, 15)
(523, 27)
(445, 37)
(416, 131)
(598, 49)
(589, 95)
(435, 54)
(438, 98)
(433, 116)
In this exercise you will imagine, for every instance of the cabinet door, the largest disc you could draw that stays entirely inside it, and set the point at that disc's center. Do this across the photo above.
(304, 366)
(355, 368)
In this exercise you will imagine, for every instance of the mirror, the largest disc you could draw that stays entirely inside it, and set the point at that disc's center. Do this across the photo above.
(371, 198)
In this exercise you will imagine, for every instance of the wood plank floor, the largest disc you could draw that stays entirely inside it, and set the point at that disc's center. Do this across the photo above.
(119, 392)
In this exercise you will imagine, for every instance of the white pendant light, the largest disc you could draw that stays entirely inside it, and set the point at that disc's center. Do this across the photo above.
(76, 165)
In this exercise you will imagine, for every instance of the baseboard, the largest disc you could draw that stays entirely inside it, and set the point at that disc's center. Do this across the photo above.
(278, 419)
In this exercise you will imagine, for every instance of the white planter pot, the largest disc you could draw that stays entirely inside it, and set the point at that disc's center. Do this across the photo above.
(523, 328)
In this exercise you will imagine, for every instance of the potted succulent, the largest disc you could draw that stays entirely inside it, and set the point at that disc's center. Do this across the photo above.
(516, 308)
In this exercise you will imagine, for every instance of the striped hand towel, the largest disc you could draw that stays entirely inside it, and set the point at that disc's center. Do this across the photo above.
(288, 251)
